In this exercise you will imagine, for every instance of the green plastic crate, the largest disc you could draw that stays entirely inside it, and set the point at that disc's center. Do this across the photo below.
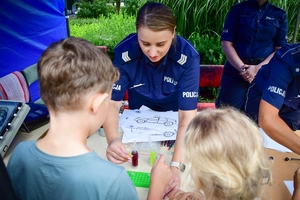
(140, 179)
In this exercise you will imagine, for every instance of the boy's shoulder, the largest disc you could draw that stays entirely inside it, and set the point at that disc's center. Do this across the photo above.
(22, 146)
(21, 152)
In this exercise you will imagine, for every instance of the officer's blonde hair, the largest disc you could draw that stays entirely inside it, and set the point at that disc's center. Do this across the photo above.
(70, 69)
(156, 17)
(224, 150)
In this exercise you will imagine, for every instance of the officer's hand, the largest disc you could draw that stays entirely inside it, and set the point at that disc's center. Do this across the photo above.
(252, 70)
(249, 73)
(116, 152)
(174, 183)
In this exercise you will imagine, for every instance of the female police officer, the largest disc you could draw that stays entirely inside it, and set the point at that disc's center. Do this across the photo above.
(273, 98)
(252, 31)
(160, 70)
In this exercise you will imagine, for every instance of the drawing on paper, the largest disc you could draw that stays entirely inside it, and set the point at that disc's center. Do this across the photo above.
(157, 120)
(139, 124)
(146, 130)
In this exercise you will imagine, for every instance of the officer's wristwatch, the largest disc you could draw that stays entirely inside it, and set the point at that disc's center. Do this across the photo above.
(178, 165)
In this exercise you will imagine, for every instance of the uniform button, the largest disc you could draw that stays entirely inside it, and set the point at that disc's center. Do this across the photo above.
(156, 86)
(257, 20)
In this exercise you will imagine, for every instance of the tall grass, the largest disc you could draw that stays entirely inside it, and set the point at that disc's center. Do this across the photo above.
(209, 15)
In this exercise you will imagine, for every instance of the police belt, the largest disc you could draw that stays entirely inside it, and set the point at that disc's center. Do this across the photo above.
(252, 61)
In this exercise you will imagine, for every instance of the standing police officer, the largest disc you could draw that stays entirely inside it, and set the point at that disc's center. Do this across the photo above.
(253, 31)
(273, 98)
(160, 70)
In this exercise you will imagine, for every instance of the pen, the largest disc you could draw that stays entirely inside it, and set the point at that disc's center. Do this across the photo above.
(172, 144)
(287, 159)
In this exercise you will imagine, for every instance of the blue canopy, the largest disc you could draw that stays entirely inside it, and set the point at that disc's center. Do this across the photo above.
(27, 27)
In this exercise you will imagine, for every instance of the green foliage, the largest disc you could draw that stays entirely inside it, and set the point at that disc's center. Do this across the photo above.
(82, 21)
(93, 8)
(209, 15)
(103, 31)
(208, 94)
(109, 31)
(291, 8)
(199, 21)
(209, 48)
(132, 6)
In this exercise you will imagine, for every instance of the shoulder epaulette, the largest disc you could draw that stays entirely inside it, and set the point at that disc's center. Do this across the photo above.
(128, 50)
(278, 8)
(239, 4)
(183, 52)
(290, 54)
(129, 55)
(181, 59)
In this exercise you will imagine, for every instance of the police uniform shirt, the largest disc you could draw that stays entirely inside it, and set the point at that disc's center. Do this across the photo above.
(279, 81)
(173, 85)
(255, 30)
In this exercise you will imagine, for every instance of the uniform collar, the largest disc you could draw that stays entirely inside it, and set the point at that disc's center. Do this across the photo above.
(164, 59)
(254, 3)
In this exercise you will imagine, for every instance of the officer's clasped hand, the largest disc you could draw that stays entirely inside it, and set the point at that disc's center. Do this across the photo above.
(248, 73)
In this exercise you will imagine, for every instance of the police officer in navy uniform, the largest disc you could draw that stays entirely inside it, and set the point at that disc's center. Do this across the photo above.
(252, 32)
(171, 85)
(160, 70)
(273, 98)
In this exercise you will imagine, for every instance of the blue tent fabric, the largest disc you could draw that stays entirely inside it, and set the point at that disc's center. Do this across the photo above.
(27, 27)
(34, 91)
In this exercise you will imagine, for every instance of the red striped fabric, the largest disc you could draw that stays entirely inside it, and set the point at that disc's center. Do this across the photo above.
(14, 87)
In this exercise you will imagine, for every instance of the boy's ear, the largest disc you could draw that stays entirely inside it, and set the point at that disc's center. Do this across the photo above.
(98, 100)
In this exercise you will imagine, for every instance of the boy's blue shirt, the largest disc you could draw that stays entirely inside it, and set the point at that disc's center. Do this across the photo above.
(37, 175)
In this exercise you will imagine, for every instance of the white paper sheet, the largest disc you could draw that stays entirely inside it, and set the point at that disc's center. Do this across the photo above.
(290, 186)
(139, 124)
(271, 144)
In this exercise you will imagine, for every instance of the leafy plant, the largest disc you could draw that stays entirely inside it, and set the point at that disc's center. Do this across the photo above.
(93, 8)
(132, 6)
(103, 31)
(209, 15)
(209, 47)
(208, 94)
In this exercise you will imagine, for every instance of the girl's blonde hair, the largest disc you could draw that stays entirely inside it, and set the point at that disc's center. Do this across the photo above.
(224, 149)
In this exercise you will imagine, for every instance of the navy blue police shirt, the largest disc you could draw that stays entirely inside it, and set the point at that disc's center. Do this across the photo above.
(279, 81)
(173, 85)
(254, 30)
